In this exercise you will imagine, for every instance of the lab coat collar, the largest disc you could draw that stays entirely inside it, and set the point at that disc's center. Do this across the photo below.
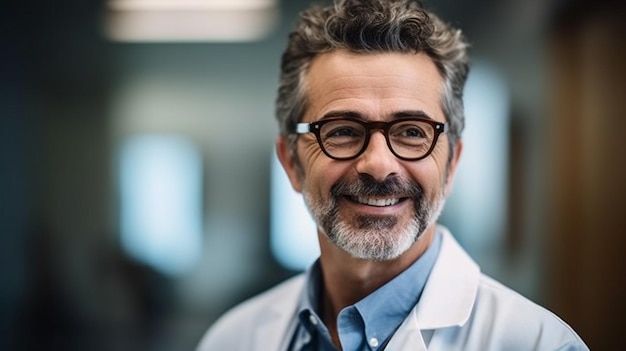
(451, 289)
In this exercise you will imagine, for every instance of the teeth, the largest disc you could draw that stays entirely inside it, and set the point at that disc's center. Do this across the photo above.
(377, 202)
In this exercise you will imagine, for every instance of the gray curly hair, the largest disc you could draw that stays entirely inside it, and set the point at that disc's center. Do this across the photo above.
(370, 26)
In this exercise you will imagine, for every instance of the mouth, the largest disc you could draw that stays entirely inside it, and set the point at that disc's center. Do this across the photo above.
(377, 202)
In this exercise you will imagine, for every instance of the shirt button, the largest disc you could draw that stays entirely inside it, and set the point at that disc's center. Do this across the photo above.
(312, 319)
(373, 342)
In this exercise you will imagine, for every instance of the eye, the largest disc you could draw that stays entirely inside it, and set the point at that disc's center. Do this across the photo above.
(342, 132)
(342, 129)
(410, 131)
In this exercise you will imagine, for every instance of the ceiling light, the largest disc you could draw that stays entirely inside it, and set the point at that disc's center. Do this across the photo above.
(216, 5)
(190, 20)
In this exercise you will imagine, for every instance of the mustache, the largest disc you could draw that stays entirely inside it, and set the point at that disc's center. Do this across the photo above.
(366, 185)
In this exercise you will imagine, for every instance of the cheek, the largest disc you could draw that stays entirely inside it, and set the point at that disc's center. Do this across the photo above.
(430, 174)
(322, 177)
(313, 164)
(439, 158)
(310, 154)
(320, 173)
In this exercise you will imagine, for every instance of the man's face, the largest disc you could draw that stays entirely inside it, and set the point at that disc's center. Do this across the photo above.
(374, 206)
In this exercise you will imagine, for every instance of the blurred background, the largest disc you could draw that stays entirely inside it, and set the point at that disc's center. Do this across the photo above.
(140, 196)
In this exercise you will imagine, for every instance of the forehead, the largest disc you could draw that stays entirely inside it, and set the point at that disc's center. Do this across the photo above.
(373, 85)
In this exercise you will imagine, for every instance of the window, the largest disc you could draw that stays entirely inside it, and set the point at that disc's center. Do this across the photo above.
(160, 188)
(293, 236)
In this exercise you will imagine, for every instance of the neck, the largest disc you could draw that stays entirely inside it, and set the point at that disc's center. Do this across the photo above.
(347, 280)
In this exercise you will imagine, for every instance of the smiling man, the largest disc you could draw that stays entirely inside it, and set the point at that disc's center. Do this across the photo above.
(371, 113)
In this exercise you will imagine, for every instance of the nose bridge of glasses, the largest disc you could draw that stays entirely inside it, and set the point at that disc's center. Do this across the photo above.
(372, 127)
(376, 157)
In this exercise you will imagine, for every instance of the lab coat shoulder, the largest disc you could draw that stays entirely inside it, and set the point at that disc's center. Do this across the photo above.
(510, 321)
(261, 320)
(466, 310)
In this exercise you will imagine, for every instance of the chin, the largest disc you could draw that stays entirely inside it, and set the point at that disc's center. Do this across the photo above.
(376, 243)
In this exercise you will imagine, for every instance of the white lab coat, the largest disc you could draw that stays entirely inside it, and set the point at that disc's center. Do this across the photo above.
(460, 309)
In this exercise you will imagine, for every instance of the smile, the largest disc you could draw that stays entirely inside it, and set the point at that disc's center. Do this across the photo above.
(375, 202)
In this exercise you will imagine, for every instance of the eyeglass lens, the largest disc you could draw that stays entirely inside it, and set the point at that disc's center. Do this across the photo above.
(407, 138)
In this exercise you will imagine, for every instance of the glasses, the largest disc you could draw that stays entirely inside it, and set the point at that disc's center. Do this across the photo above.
(409, 139)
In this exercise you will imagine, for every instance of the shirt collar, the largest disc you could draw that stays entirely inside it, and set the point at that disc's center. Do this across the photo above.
(383, 310)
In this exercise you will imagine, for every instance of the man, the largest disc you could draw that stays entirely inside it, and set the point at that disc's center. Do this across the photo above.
(370, 112)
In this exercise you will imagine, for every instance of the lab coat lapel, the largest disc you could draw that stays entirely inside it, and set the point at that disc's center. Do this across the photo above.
(271, 333)
(408, 336)
(451, 289)
(447, 300)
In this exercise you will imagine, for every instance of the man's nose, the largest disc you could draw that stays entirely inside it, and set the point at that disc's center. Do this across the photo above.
(377, 160)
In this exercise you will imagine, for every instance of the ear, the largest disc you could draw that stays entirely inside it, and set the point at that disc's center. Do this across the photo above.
(287, 161)
(454, 162)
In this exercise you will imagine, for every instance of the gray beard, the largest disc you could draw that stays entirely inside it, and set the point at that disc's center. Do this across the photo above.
(376, 238)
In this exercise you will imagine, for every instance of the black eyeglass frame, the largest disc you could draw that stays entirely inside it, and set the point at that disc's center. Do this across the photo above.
(315, 128)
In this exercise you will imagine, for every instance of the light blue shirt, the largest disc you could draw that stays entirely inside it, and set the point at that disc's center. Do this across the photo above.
(370, 323)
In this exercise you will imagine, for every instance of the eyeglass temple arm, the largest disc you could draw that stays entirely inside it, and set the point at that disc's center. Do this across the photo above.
(302, 128)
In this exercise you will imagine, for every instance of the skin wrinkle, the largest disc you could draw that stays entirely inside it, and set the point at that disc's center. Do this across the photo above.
(350, 87)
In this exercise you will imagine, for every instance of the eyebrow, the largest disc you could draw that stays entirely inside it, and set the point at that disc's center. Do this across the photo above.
(396, 115)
